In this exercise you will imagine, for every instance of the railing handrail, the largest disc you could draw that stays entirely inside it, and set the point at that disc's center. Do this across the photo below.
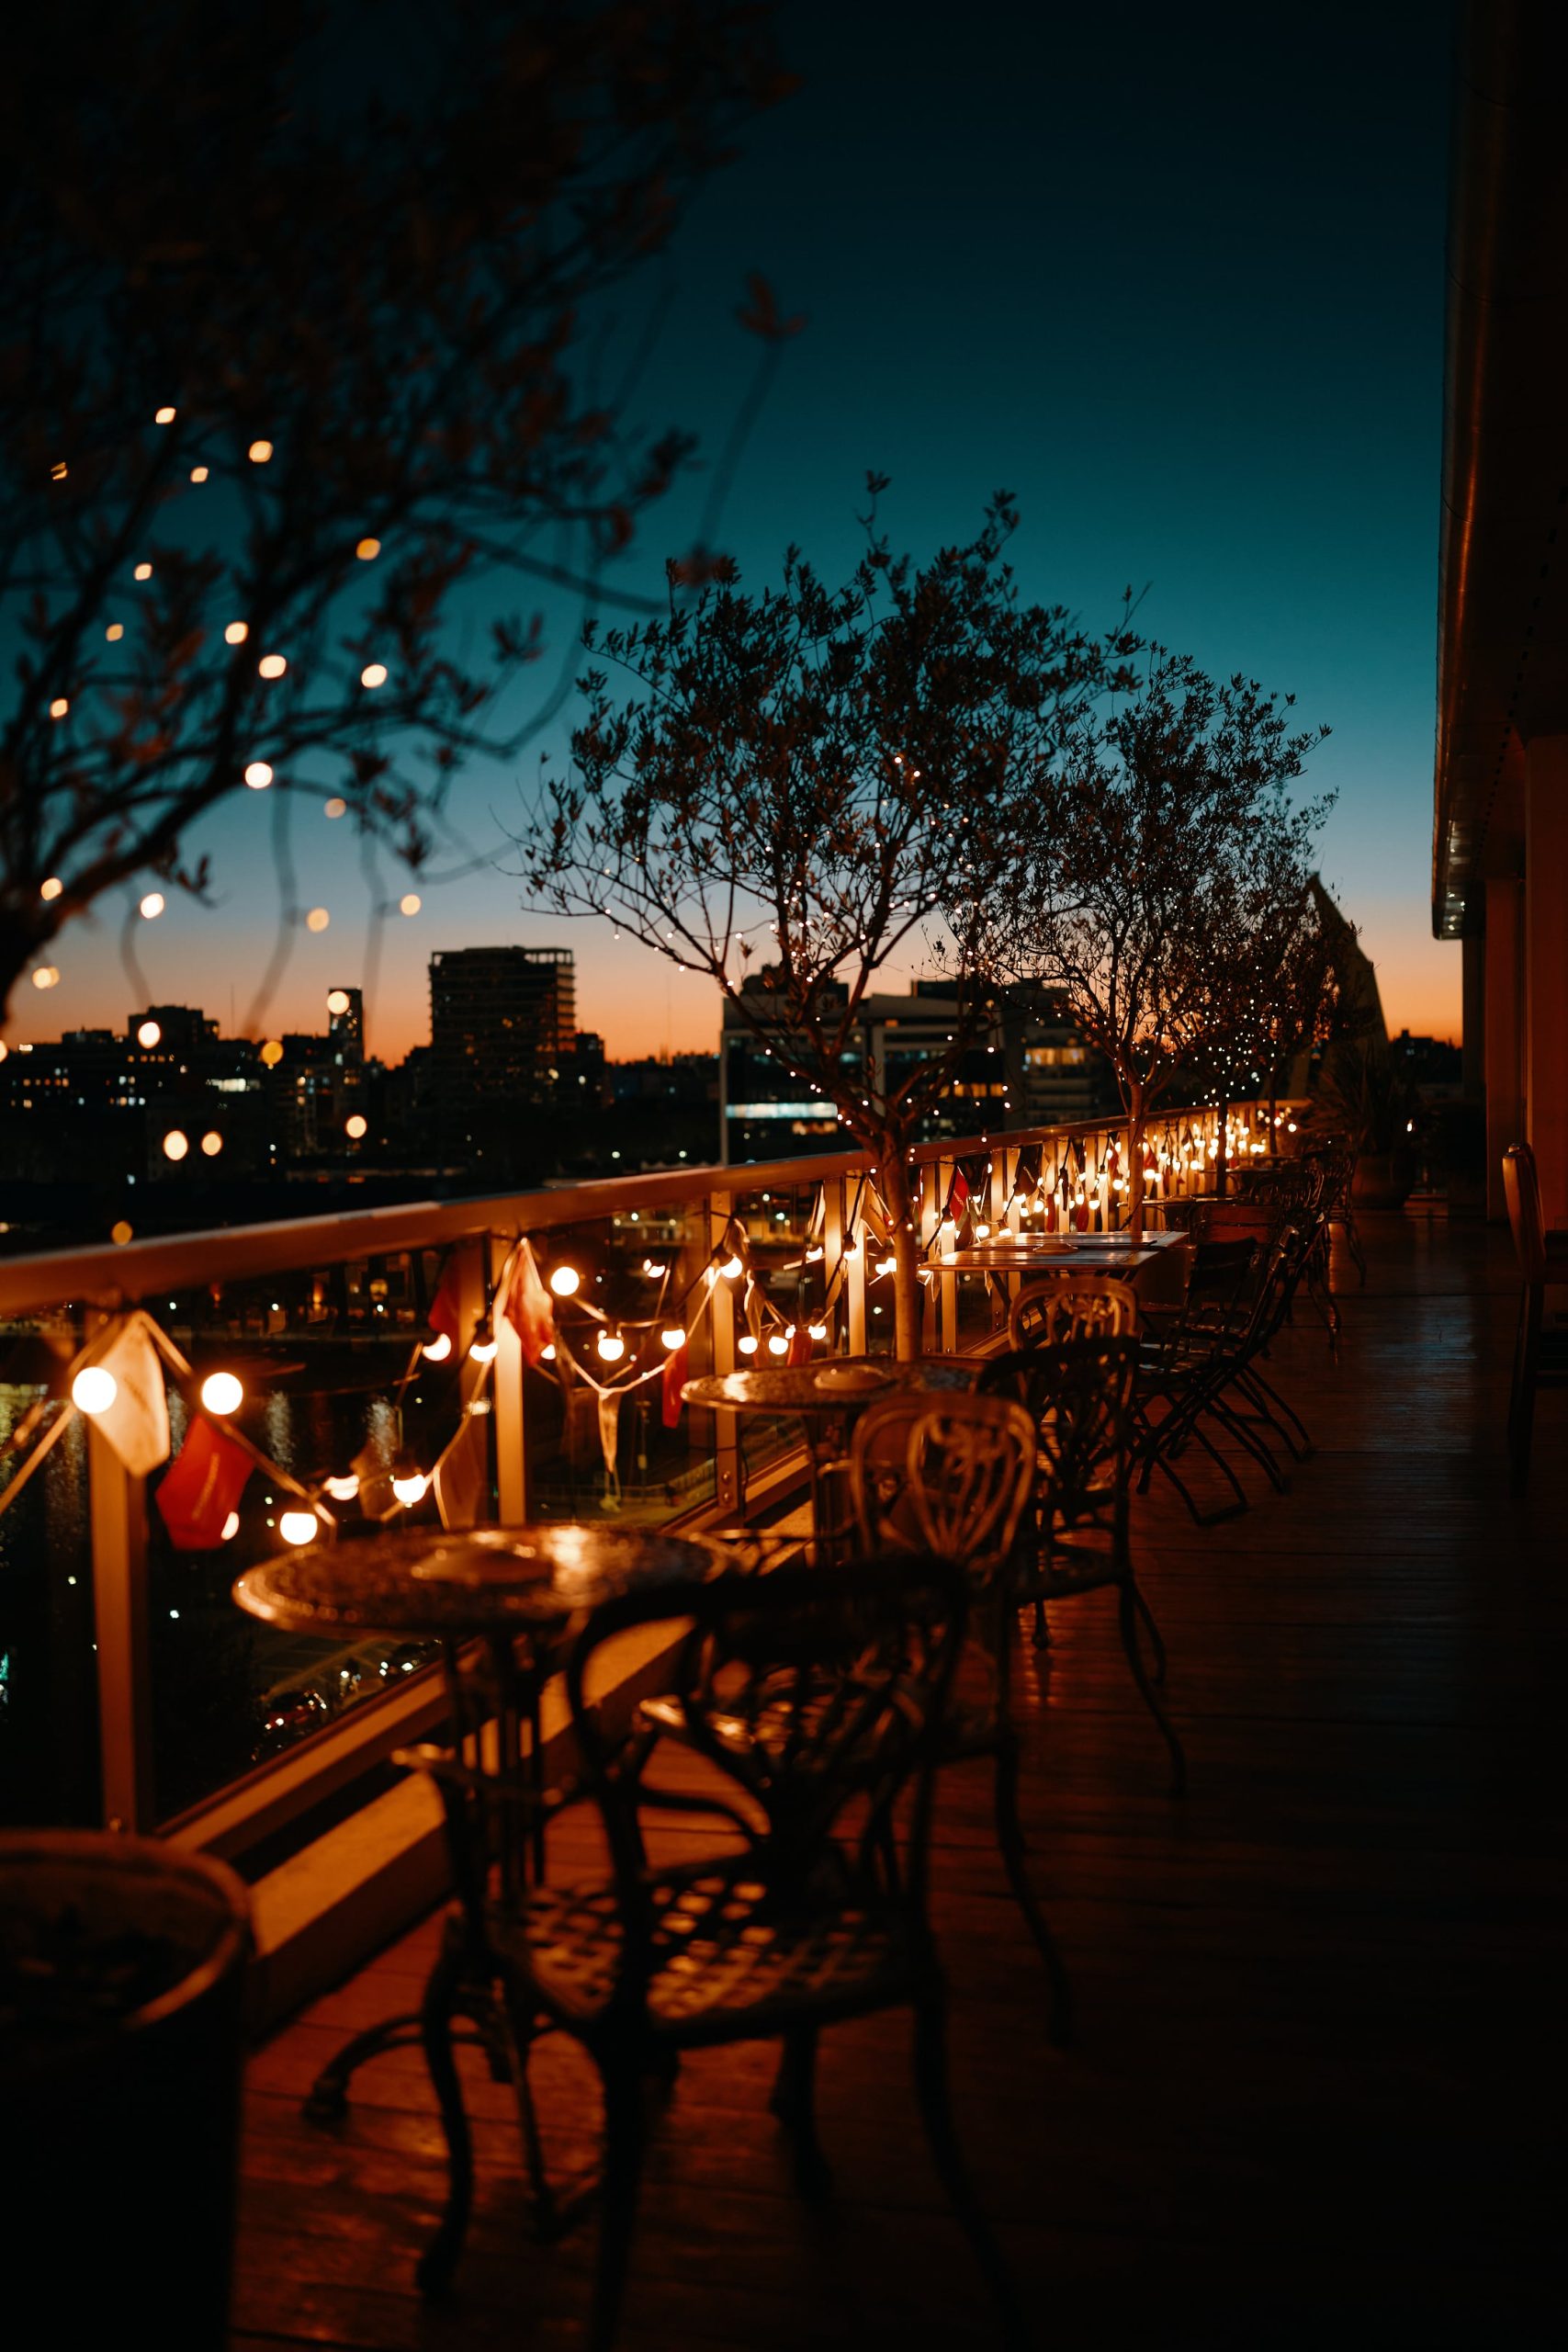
(110, 1274)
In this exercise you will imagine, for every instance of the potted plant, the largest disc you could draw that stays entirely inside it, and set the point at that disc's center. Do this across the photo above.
(122, 1974)
(1362, 1093)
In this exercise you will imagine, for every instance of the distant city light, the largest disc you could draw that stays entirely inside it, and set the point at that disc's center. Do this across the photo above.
(222, 1392)
(176, 1142)
(356, 1125)
(148, 1033)
(94, 1389)
(151, 906)
(212, 1143)
(272, 1053)
(120, 1232)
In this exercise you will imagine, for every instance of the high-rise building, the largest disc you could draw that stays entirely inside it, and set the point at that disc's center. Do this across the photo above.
(502, 1026)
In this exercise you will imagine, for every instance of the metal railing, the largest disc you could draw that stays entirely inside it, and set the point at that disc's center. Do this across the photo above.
(329, 1296)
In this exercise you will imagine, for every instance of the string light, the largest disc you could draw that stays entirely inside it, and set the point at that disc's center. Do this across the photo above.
(673, 1337)
(115, 631)
(611, 1347)
(344, 1489)
(58, 472)
(337, 1000)
(258, 776)
(747, 1343)
(298, 1526)
(236, 632)
(409, 1488)
(59, 706)
(373, 675)
(272, 665)
(151, 906)
(356, 1125)
(547, 1352)
(565, 1280)
(142, 571)
(230, 1528)
(164, 416)
(816, 1330)
(51, 888)
(337, 807)
(367, 550)
(777, 1344)
(176, 1142)
(259, 452)
(272, 1053)
(199, 473)
(732, 1269)
(94, 1389)
(120, 1232)
(653, 1270)
(482, 1346)
(436, 1351)
(46, 976)
(212, 1143)
(317, 919)
(222, 1392)
(148, 1033)
(409, 903)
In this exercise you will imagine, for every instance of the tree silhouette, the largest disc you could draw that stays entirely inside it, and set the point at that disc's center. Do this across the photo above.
(1151, 860)
(294, 364)
(817, 779)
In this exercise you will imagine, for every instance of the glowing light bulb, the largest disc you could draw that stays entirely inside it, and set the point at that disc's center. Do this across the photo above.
(115, 631)
(436, 1351)
(814, 1253)
(547, 1352)
(482, 1351)
(298, 1526)
(565, 1280)
(272, 665)
(982, 1232)
(222, 1392)
(852, 1248)
(259, 452)
(373, 675)
(211, 1144)
(673, 1337)
(163, 416)
(148, 1033)
(176, 1142)
(317, 919)
(344, 1489)
(236, 632)
(272, 1053)
(888, 1266)
(777, 1344)
(816, 1330)
(51, 888)
(94, 1389)
(59, 471)
(356, 1125)
(732, 1269)
(199, 473)
(46, 976)
(258, 776)
(142, 571)
(152, 906)
(367, 550)
(230, 1528)
(337, 1000)
(337, 807)
(653, 1270)
(59, 706)
(611, 1347)
(120, 1232)
(410, 1487)
(746, 1344)
(409, 903)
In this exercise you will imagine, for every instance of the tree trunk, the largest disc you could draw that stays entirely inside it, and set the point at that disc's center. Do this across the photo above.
(1273, 1106)
(1136, 1163)
(1222, 1164)
(892, 1183)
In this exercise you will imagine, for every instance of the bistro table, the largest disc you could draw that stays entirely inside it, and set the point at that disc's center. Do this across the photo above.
(517, 1591)
(826, 1398)
(1088, 1253)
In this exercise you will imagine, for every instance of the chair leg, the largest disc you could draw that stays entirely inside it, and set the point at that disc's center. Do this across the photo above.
(439, 2259)
(1042, 1628)
(936, 2111)
(793, 2101)
(622, 2078)
(1127, 1603)
(1009, 1839)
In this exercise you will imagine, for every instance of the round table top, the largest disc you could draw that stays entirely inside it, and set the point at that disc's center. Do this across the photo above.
(438, 1583)
(849, 1382)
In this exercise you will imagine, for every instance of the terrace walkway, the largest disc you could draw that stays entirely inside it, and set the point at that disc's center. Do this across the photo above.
(1317, 2095)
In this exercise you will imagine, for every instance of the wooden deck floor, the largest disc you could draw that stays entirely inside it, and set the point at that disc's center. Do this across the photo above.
(1318, 2092)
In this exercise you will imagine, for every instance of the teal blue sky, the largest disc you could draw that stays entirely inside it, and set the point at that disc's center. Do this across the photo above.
(1175, 277)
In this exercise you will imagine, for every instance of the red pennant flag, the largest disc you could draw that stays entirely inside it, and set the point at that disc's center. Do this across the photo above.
(1081, 1215)
(444, 1316)
(528, 1307)
(800, 1345)
(958, 1198)
(201, 1487)
(675, 1373)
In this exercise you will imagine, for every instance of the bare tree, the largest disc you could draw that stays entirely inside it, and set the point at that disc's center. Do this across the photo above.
(288, 369)
(1152, 862)
(821, 779)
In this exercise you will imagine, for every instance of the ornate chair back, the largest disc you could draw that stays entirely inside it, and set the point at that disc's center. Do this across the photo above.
(1072, 1307)
(950, 1474)
(1078, 1398)
(820, 1700)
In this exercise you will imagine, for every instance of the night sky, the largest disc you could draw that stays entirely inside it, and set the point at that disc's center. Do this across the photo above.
(1174, 276)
